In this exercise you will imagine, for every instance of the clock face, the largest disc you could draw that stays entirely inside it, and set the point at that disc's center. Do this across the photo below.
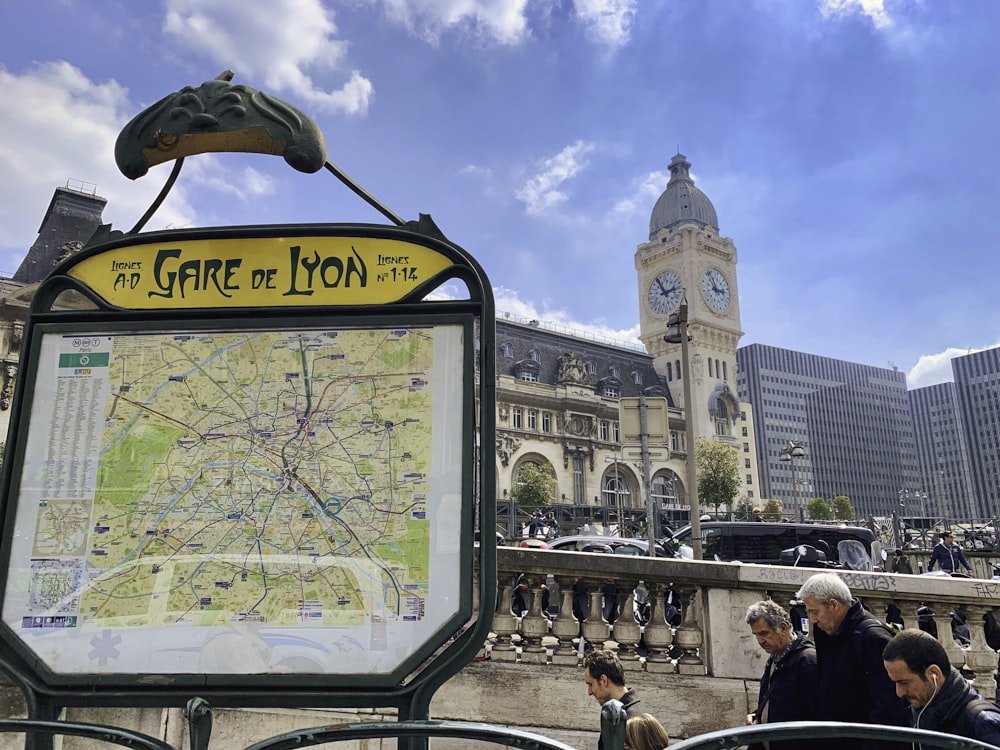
(715, 289)
(665, 292)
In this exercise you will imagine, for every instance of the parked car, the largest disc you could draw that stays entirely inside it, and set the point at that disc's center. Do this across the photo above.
(763, 542)
(609, 545)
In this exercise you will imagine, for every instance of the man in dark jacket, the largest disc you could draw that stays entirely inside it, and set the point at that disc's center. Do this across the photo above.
(948, 555)
(853, 683)
(788, 686)
(940, 698)
(605, 678)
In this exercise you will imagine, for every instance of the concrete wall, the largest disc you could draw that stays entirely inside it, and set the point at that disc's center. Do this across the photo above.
(547, 700)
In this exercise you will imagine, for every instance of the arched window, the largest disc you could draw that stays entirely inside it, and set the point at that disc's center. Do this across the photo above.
(677, 368)
(670, 371)
(507, 351)
(721, 418)
(534, 356)
(615, 492)
(710, 368)
(725, 372)
(664, 491)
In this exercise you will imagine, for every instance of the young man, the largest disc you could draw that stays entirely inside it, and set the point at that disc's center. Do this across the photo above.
(788, 686)
(605, 678)
(940, 698)
(852, 681)
(948, 555)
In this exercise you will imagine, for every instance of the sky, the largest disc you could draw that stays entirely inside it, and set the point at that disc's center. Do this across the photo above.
(849, 146)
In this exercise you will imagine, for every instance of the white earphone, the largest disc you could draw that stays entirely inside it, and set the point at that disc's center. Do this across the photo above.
(934, 677)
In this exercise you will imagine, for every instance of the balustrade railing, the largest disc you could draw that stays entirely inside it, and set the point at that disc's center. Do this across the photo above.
(596, 600)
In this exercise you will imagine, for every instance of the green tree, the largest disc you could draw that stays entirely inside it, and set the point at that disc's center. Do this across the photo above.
(842, 508)
(771, 511)
(718, 473)
(534, 486)
(818, 509)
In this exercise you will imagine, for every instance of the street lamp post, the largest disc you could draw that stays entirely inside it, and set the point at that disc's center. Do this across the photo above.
(789, 453)
(678, 334)
(619, 499)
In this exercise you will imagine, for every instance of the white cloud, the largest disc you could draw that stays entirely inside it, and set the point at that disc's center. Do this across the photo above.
(932, 369)
(874, 9)
(207, 171)
(607, 22)
(508, 301)
(283, 44)
(63, 128)
(644, 196)
(499, 21)
(541, 192)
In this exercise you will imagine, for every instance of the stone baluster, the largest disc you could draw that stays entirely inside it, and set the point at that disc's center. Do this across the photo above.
(626, 630)
(979, 657)
(689, 637)
(909, 609)
(956, 655)
(565, 627)
(658, 634)
(504, 625)
(878, 606)
(534, 627)
(595, 628)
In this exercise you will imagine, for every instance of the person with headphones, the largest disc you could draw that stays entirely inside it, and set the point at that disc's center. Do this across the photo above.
(940, 698)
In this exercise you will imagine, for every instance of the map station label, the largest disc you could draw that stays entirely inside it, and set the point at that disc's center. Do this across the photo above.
(259, 272)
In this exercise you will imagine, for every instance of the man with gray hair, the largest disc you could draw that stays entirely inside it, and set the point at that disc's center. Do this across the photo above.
(853, 682)
(788, 686)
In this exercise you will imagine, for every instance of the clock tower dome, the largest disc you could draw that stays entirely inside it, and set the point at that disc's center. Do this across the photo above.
(686, 257)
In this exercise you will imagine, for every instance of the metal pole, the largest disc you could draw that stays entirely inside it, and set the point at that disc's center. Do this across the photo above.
(795, 489)
(689, 462)
(619, 503)
(650, 509)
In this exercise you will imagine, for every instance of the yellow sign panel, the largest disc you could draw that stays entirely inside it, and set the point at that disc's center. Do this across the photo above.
(259, 272)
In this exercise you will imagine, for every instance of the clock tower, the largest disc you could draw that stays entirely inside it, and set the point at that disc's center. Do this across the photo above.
(686, 257)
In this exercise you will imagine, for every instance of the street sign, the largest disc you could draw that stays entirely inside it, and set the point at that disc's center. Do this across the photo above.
(657, 420)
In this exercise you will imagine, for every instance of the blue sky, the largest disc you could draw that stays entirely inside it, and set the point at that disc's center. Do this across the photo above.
(849, 146)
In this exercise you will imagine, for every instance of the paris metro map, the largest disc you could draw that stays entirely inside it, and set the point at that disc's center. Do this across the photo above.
(259, 500)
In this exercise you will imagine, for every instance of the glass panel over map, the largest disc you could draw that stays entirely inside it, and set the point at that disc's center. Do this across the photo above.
(239, 502)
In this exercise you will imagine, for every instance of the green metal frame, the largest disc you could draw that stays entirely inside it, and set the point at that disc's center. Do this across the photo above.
(814, 730)
(410, 687)
(448, 730)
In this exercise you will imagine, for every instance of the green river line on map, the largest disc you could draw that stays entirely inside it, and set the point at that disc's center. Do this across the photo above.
(278, 477)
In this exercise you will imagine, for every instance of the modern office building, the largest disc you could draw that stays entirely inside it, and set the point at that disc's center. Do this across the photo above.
(946, 479)
(977, 388)
(851, 421)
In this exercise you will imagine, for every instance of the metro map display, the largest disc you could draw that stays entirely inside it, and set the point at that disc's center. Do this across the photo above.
(265, 500)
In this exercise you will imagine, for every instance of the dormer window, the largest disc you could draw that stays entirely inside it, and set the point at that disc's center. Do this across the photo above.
(507, 351)
(527, 370)
(610, 387)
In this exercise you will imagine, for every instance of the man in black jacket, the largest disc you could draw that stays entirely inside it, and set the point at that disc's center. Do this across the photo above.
(853, 683)
(940, 698)
(788, 686)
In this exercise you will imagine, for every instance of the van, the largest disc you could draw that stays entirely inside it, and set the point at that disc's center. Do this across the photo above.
(763, 542)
